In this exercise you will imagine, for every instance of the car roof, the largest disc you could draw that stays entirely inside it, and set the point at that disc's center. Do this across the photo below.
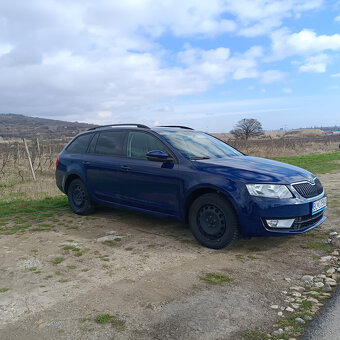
(136, 127)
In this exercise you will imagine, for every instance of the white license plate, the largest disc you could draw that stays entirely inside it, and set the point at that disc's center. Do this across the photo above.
(319, 205)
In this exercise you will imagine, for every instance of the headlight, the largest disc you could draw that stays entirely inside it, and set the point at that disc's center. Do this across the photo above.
(269, 190)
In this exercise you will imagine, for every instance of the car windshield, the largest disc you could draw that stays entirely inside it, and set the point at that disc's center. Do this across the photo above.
(198, 145)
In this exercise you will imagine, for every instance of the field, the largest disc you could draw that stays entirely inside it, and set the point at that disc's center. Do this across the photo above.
(123, 275)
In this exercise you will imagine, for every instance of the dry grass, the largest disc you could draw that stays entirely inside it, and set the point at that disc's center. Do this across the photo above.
(288, 145)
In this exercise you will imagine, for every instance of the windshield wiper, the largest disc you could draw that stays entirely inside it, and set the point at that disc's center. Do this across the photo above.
(198, 158)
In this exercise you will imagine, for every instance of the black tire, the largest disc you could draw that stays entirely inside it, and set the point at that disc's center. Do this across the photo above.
(78, 198)
(213, 221)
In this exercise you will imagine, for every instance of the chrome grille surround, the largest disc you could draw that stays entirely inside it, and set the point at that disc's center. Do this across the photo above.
(307, 189)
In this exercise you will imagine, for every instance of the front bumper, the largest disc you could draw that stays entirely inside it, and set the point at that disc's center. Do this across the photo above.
(300, 225)
(258, 210)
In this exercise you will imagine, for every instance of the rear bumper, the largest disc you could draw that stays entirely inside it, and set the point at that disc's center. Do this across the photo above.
(59, 179)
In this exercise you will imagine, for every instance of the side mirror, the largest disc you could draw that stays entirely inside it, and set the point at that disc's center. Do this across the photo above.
(159, 156)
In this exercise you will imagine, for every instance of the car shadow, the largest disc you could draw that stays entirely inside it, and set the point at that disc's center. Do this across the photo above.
(167, 227)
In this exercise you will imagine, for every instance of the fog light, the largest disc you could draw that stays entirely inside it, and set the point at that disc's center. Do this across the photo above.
(280, 223)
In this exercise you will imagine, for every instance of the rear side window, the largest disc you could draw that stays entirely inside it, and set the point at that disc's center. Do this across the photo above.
(110, 143)
(80, 144)
(140, 143)
(93, 143)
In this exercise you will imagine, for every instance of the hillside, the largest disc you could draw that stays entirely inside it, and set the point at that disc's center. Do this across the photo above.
(19, 126)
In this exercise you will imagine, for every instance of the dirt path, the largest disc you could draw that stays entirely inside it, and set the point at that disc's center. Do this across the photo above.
(60, 278)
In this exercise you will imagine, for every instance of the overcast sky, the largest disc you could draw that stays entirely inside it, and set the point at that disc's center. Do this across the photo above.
(205, 64)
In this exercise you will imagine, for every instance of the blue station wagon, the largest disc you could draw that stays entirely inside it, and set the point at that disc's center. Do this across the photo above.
(177, 172)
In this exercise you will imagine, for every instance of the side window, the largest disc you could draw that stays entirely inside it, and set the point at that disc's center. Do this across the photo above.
(110, 143)
(140, 143)
(93, 143)
(80, 144)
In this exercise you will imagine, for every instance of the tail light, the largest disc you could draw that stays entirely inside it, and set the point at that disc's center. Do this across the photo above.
(57, 162)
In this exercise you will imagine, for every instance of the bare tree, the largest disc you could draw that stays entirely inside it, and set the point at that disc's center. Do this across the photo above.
(247, 128)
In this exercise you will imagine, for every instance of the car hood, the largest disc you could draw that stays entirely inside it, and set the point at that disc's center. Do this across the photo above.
(254, 169)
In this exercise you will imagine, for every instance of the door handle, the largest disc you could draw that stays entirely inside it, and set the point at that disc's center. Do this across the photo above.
(125, 167)
(86, 162)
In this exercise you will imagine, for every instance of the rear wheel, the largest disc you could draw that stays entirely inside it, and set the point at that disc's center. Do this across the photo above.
(213, 221)
(78, 198)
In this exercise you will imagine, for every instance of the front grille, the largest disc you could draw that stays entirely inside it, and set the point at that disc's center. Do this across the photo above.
(309, 190)
(306, 221)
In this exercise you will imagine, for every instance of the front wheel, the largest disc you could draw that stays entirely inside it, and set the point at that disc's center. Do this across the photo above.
(78, 198)
(213, 221)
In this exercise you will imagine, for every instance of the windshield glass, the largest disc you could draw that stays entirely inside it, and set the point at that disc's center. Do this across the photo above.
(198, 145)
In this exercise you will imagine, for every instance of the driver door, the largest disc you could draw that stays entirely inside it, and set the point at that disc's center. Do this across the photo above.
(150, 185)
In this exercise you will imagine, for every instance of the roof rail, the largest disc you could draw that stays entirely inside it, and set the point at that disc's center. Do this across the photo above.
(178, 126)
(141, 126)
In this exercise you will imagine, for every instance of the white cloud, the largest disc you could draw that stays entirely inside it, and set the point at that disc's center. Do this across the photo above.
(287, 90)
(217, 65)
(335, 75)
(5, 49)
(337, 18)
(258, 17)
(306, 42)
(316, 64)
(272, 76)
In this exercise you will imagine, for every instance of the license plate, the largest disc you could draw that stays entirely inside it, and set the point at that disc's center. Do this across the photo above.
(319, 205)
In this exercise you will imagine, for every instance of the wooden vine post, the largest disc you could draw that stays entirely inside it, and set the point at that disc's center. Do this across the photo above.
(29, 159)
(39, 155)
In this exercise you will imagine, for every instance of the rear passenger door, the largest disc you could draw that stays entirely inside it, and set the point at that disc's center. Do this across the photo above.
(104, 165)
(149, 185)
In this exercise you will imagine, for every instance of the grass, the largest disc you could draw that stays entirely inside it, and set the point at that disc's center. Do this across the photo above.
(112, 243)
(255, 335)
(306, 305)
(68, 248)
(217, 278)
(297, 328)
(58, 260)
(16, 207)
(319, 246)
(63, 280)
(3, 290)
(239, 256)
(113, 320)
(316, 163)
(16, 228)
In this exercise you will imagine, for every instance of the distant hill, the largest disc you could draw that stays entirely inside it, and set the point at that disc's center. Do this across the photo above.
(20, 126)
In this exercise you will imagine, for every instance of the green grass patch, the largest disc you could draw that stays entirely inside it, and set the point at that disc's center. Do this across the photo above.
(254, 335)
(113, 320)
(68, 248)
(36, 206)
(15, 229)
(58, 260)
(63, 280)
(306, 305)
(319, 246)
(3, 290)
(217, 278)
(316, 163)
(112, 243)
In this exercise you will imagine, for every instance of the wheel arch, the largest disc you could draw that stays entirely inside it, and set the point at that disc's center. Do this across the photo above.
(207, 190)
(70, 177)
